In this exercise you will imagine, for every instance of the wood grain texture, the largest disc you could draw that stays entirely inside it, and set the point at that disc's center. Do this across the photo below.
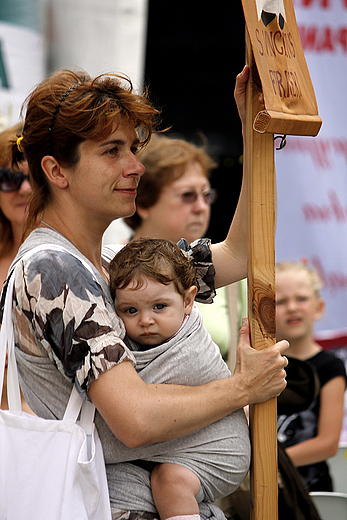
(260, 168)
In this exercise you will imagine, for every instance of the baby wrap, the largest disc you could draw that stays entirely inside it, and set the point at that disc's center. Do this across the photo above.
(218, 454)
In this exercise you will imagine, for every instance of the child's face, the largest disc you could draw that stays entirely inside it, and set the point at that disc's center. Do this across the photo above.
(153, 313)
(297, 305)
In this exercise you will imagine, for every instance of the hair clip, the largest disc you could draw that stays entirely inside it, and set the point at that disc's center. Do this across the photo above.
(55, 113)
(20, 149)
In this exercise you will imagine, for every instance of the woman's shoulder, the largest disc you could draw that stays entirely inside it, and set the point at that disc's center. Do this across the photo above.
(48, 263)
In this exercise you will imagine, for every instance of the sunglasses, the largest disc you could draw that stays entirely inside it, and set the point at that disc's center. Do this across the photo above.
(11, 180)
(191, 196)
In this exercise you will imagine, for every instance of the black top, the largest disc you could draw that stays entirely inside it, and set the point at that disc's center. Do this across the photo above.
(298, 427)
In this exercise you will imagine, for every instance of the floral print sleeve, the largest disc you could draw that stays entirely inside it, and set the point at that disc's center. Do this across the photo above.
(62, 312)
(199, 253)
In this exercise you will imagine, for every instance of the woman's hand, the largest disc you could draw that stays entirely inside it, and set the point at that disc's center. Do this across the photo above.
(240, 92)
(260, 372)
(230, 256)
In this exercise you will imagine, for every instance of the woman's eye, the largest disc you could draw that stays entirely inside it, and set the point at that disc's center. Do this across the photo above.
(112, 151)
(189, 197)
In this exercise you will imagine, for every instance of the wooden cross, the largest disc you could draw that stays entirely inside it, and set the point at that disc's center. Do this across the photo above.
(278, 69)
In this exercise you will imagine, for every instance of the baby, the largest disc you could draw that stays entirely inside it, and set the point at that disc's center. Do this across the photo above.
(154, 285)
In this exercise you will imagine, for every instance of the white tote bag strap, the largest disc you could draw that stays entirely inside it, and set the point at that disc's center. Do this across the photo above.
(74, 407)
(7, 343)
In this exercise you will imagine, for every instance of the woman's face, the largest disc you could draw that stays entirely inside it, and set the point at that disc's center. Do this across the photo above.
(175, 216)
(14, 204)
(104, 181)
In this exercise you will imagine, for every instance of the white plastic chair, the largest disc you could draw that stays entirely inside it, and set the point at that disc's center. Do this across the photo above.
(338, 469)
(330, 505)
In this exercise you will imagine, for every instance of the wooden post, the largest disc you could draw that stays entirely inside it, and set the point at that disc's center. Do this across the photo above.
(279, 70)
(261, 295)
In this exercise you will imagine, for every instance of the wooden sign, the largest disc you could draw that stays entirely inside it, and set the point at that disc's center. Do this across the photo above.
(290, 102)
(278, 69)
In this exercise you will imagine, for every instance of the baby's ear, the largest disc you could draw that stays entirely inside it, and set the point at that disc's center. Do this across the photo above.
(189, 299)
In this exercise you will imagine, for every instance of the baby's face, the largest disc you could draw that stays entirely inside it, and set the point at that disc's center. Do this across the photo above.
(153, 313)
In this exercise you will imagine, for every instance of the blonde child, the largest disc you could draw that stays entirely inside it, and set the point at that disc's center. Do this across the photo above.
(312, 436)
(154, 285)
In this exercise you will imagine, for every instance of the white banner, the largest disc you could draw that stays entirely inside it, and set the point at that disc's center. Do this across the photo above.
(21, 68)
(312, 172)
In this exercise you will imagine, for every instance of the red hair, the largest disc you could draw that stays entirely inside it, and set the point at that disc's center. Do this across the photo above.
(68, 108)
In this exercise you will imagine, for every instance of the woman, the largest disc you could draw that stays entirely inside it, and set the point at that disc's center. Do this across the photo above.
(173, 201)
(174, 198)
(80, 142)
(15, 191)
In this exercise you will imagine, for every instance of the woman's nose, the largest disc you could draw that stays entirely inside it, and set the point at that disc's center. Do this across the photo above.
(25, 187)
(135, 167)
(200, 204)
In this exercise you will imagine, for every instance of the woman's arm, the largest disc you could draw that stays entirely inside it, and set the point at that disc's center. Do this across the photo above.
(230, 256)
(325, 444)
(140, 413)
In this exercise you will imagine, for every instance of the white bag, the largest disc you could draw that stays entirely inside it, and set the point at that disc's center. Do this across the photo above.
(49, 469)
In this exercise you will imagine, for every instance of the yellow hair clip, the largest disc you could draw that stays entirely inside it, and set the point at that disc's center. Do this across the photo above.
(18, 144)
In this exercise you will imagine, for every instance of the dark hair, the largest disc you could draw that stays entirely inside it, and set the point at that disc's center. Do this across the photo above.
(165, 159)
(66, 109)
(156, 258)
(6, 138)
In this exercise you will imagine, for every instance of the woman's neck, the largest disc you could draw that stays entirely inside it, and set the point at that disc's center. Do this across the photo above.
(86, 238)
(145, 230)
(17, 233)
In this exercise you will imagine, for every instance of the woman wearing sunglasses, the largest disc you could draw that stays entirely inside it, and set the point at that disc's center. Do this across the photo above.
(15, 192)
(174, 197)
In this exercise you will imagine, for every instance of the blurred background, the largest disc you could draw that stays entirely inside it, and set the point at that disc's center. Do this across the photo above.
(186, 53)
